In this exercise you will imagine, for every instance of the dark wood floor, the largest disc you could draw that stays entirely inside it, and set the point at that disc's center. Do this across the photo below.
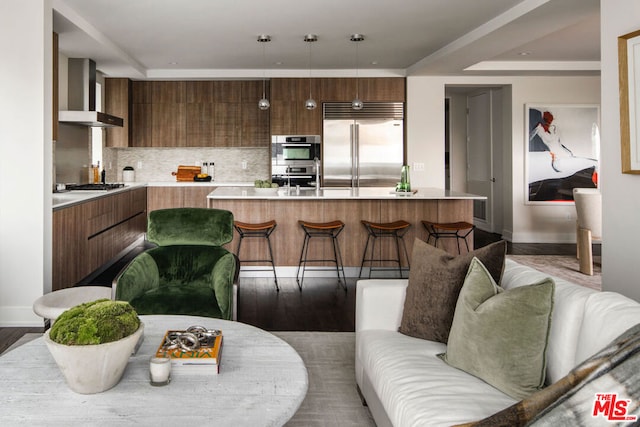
(321, 306)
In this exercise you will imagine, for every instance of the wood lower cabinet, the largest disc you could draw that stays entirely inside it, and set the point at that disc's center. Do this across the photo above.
(177, 197)
(89, 235)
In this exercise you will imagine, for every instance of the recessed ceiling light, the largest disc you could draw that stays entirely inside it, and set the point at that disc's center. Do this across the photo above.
(374, 62)
(173, 63)
(524, 53)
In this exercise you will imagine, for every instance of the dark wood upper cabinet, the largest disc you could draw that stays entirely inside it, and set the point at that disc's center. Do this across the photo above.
(168, 92)
(199, 92)
(118, 103)
(220, 113)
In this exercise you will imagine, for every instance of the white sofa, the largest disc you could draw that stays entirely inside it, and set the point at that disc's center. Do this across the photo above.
(406, 384)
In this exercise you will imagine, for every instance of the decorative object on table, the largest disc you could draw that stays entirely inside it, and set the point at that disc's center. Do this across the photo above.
(265, 187)
(159, 370)
(628, 45)
(128, 174)
(91, 343)
(195, 346)
(562, 151)
(187, 173)
(189, 272)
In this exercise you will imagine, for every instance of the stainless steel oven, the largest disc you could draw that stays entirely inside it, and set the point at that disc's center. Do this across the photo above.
(288, 150)
(304, 176)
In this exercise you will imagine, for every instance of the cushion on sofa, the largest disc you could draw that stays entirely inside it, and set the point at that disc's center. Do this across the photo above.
(566, 321)
(571, 400)
(435, 280)
(501, 335)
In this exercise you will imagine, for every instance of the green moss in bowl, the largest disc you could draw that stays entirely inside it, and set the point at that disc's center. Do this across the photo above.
(95, 322)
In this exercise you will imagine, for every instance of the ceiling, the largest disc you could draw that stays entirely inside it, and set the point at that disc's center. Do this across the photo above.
(163, 39)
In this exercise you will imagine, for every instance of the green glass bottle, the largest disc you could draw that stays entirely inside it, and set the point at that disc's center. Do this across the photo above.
(405, 180)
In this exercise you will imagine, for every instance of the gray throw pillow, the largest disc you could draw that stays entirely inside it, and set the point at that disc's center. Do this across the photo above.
(501, 336)
(435, 279)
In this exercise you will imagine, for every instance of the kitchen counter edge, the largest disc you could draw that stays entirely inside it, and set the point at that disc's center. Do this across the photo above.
(68, 199)
(363, 193)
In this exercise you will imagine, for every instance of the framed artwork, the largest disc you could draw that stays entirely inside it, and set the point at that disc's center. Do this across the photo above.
(629, 75)
(562, 151)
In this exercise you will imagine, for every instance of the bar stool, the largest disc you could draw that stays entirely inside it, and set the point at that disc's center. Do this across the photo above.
(327, 230)
(263, 229)
(449, 230)
(396, 230)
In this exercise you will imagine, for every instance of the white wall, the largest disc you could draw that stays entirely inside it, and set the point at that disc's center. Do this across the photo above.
(425, 136)
(25, 145)
(620, 192)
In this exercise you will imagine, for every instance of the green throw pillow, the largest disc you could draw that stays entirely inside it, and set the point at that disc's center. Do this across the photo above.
(501, 336)
(435, 280)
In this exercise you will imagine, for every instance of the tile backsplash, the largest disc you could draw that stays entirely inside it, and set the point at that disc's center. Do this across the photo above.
(156, 164)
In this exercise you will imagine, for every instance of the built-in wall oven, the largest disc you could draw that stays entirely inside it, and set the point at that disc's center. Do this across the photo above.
(295, 159)
(287, 150)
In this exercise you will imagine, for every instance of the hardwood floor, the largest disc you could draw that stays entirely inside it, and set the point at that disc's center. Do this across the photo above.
(321, 306)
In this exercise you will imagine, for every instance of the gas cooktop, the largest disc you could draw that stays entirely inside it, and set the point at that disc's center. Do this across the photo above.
(103, 187)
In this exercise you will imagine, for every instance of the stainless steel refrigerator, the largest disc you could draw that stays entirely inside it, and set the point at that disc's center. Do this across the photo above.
(362, 148)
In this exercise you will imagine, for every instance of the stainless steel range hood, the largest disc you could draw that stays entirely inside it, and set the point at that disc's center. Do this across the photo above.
(82, 97)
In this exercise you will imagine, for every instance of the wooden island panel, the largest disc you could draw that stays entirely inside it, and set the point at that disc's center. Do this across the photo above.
(288, 237)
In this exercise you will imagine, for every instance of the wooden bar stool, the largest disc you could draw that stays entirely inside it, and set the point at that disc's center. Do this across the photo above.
(327, 230)
(449, 230)
(395, 230)
(263, 229)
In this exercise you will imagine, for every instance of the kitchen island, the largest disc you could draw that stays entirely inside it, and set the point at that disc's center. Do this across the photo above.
(350, 205)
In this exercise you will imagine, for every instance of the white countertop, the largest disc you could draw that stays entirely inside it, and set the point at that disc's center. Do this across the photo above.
(70, 198)
(371, 193)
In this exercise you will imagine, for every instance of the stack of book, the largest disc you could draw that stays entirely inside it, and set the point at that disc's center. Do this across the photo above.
(203, 359)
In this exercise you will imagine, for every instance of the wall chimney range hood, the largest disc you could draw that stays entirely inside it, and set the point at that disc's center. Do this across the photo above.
(82, 97)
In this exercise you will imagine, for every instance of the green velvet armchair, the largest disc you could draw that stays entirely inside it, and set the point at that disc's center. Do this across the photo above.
(189, 272)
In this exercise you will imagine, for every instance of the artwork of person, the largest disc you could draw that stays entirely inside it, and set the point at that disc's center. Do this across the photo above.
(548, 132)
(555, 166)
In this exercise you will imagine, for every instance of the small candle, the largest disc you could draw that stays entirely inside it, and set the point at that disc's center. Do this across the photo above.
(160, 370)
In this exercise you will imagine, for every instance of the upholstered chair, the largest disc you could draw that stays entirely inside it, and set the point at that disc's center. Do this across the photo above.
(189, 272)
(588, 225)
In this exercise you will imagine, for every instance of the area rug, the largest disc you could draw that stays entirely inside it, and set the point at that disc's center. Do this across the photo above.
(332, 398)
(563, 266)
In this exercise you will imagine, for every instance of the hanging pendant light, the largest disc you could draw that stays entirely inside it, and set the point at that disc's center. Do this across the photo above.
(357, 104)
(310, 104)
(264, 103)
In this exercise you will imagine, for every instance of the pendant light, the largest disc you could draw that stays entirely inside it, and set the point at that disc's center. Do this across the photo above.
(357, 104)
(310, 104)
(264, 104)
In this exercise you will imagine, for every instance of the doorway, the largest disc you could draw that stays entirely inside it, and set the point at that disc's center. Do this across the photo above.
(474, 149)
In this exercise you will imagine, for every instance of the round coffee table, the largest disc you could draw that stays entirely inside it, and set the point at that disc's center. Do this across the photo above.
(51, 305)
(262, 382)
